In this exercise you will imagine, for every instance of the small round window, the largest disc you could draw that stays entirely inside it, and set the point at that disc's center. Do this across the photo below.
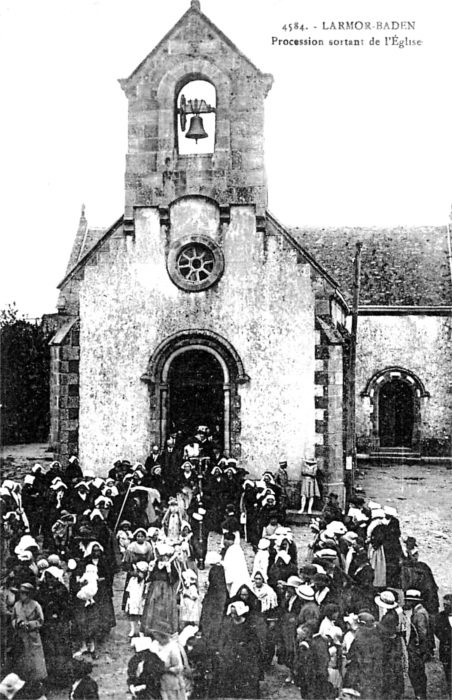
(195, 263)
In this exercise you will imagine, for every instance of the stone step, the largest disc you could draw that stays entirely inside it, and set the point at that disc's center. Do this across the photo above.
(293, 517)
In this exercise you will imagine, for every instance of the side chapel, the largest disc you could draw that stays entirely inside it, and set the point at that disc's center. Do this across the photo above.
(198, 306)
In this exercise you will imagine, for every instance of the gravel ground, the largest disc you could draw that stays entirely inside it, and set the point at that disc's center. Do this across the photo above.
(421, 495)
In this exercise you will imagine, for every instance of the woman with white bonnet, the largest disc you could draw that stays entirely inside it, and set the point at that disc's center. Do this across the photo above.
(164, 580)
(239, 653)
(214, 602)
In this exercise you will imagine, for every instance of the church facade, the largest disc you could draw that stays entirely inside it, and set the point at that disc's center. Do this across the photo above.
(198, 307)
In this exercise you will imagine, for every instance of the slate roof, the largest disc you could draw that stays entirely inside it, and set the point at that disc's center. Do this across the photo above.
(400, 266)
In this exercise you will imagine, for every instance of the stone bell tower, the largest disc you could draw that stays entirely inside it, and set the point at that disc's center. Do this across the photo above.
(157, 170)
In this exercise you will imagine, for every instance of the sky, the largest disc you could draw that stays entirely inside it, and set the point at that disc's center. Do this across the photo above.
(354, 135)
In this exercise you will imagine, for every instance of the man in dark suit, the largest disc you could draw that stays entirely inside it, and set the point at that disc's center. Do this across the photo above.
(421, 643)
(443, 630)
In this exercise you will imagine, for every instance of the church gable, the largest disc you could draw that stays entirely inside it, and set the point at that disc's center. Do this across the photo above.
(193, 35)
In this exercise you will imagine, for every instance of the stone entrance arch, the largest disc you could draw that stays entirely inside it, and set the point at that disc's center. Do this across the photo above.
(166, 361)
(392, 390)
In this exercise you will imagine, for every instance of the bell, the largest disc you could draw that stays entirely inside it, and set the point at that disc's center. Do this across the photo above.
(196, 129)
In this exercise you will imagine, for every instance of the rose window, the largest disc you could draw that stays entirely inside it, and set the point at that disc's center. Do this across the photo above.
(196, 262)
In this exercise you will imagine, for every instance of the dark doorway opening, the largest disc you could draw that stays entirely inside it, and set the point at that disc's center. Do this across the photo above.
(196, 395)
(396, 414)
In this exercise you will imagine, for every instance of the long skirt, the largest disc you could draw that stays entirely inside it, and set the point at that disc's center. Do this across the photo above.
(86, 620)
(56, 642)
(160, 606)
(30, 664)
(309, 487)
(172, 687)
(107, 618)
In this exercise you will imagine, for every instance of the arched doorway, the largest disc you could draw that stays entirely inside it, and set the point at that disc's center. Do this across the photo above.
(193, 378)
(195, 394)
(396, 397)
(396, 414)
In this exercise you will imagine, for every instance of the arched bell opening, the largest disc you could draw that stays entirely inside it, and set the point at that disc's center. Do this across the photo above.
(195, 117)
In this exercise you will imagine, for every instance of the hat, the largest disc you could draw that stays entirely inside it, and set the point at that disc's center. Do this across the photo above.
(326, 553)
(366, 619)
(351, 617)
(283, 463)
(141, 643)
(72, 565)
(26, 542)
(240, 608)
(10, 685)
(187, 633)
(292, 581)
(156, 468)
(305, 592)
(350, 537)
(140, 529)
(27, 587)
(54, 560)
(377, 513)
(349, 693)
(36, 469)
(72, 459)
(56, 573)
(389, 510)
(29, 479)
(42, 564)
(308, 460)
(142, 566)
(212, 558)
(336, 528)
(263, 543)
(414, 595)
(386, 599)
(373, 505)
(202, 429)
(25, 556)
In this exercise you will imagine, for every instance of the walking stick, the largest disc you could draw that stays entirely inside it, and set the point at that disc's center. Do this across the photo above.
(122, 507)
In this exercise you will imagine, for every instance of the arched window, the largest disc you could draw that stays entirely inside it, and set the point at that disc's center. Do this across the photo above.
(196, 118)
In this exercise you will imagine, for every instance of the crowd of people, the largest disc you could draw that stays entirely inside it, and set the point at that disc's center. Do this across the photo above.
(346, 619)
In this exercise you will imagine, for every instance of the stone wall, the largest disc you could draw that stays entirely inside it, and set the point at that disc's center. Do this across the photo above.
(422, 345)
(263, 305)
(64, 390)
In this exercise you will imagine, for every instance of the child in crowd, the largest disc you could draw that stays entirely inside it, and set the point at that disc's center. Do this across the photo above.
(190, 605)
(89, 585)
(136, 596)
